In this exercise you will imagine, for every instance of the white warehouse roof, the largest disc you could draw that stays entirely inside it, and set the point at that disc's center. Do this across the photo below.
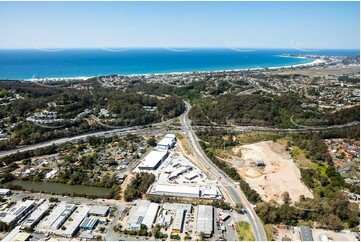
(150, 215)
(152, 159)
(170, 136)
(205, 219)
(176, 190)
(166, 142)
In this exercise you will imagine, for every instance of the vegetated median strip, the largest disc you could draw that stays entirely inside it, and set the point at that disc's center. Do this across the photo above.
(244, 231)
(184, 143)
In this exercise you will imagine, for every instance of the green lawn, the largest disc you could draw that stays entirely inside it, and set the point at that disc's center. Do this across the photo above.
(244, 231)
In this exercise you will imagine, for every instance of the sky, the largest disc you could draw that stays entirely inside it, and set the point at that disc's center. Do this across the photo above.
(303, 25)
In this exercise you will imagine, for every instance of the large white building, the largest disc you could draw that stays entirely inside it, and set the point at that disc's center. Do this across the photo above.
(167, 142)
(150, 215)
(36, 216)
(145, 213)
(58, 216)
(77, 218)
(153, 160)
(16, 212)
(178, 221)
(205, 220)
(5, 192)
(99, 210)
(174, 206)
(177, 191)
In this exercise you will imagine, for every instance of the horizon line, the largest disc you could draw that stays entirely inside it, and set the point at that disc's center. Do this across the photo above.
(160, 47)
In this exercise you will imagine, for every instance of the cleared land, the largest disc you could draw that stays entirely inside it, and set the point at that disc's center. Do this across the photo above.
(320, 72)
(279, 175)
(332, 235)
(244, 231)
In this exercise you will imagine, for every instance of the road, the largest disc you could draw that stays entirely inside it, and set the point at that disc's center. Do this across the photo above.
(224, 181)
(269, 129)
(156, 129)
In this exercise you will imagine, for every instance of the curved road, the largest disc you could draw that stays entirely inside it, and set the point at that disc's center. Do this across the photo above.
(226, 182)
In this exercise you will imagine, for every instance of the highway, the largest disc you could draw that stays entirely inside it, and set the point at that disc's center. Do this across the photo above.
(225, 181)
(156, 128)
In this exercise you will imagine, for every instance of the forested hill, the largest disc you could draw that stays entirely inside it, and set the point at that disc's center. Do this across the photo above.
(284, 111)
(79, 108)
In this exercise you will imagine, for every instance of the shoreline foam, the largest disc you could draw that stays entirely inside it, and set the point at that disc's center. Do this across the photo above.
(311, 63)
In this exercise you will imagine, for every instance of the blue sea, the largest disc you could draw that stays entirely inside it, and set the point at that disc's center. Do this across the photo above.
(26, 64)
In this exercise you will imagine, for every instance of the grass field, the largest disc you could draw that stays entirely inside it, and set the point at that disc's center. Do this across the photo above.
(321, 72)
(298, 155)
(244, 231)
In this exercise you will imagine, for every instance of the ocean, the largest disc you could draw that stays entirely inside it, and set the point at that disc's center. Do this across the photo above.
(26, 64)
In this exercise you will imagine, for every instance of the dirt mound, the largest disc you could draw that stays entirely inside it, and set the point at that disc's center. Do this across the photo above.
(280, 174)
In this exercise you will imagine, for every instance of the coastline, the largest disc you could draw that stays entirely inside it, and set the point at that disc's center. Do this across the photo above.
(314, 62)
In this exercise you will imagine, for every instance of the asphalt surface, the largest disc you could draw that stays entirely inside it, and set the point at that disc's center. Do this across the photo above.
(224, 181)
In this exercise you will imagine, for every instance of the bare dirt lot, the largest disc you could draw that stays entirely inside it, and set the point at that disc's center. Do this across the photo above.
(279, 175)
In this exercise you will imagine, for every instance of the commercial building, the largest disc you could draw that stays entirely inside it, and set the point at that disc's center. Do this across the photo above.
(177, 172)
(16, 212)
(210, 192)
(101, 211)
(145, 213)
(153, 160)
(89, 223)
(205, 220)
(178, 221)
(150, 215)
(306, 234)
(174, 206)
(191, 175)
(16, 235)
(37, 215)
(177, 191)
(167, 142)
(58, 216)
(74, 225)
(5, 192)
(164, 218)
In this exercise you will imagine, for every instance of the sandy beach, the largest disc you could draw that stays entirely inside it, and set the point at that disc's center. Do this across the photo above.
(315, 62)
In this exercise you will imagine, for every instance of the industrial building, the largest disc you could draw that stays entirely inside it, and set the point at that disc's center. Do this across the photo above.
(191, 175)
(74, 225)
(177, 191)
(37, 215)
(153, 160)
(177, 172)
(16, 212)
(98, 210)
(306, 234)
(145, 213)
(210, 192)
(16, 235)
(5, 192)
(174, 206)
(167, 142)
(178, 221)
(89, 223)
(205, 220)
(58, 216)
(150, 215)
(164, 218)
